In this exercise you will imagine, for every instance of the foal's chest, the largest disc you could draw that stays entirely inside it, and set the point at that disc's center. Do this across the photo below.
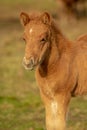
(46, 85)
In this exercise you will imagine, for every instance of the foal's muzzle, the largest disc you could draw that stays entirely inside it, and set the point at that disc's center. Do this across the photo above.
(28, 63)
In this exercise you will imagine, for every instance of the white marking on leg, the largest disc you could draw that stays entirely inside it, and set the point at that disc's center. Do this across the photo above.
(54, 107)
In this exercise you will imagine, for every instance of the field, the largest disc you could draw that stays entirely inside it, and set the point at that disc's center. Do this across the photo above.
(21, 107)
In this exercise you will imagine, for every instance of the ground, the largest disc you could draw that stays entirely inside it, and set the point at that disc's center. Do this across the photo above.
(21, 107)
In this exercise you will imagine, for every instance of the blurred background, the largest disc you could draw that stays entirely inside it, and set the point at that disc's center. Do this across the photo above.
(21, 107)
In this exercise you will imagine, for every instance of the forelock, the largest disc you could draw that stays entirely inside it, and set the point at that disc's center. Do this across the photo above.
(34, 15)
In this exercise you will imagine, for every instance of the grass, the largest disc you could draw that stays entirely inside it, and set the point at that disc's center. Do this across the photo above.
(21, 107)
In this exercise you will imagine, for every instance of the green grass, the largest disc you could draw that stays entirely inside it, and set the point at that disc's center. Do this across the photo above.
(28, 5)
(20, 103)
(77, 115)
(21, 107)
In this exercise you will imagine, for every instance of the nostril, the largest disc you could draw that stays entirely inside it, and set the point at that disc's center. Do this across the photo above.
(32, 60)
(25, 60)
(29, 61)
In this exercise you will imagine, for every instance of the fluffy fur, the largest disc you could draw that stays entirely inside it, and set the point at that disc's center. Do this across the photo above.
(61, 65)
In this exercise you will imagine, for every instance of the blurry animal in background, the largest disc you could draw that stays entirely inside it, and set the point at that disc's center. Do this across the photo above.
(74, 8)
(60, 65)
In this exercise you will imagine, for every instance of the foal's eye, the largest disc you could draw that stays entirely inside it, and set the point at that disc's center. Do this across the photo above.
(43, 40)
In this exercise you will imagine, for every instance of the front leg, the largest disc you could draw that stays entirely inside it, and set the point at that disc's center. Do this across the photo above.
(56, 111)
(55, 117)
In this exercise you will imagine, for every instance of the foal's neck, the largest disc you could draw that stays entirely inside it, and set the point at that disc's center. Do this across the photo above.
(59, 44)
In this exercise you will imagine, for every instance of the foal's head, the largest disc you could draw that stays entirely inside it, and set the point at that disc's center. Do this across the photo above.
(37, 36)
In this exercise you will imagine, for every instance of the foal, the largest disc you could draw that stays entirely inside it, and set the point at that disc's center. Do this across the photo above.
(60, 65)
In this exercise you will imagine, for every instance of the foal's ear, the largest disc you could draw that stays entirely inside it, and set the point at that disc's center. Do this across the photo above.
(24, 17)
(46, 18)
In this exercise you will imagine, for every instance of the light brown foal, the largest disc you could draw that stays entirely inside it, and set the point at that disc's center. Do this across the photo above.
(60, 65)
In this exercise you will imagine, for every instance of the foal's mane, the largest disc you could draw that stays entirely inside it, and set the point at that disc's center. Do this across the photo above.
(55, 26)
